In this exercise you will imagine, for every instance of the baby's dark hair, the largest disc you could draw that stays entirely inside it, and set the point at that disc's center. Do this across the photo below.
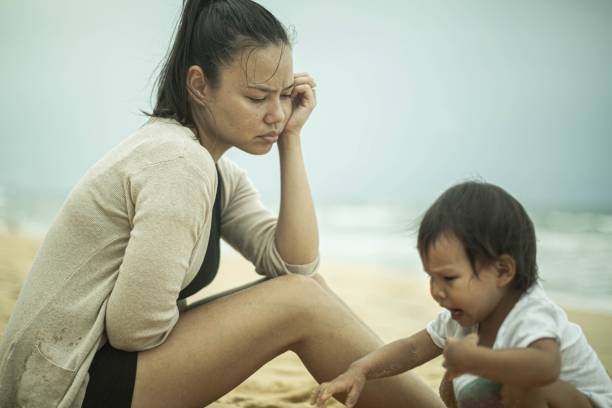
(489, 223)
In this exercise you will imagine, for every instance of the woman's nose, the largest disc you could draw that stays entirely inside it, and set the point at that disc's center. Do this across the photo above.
(275, 113)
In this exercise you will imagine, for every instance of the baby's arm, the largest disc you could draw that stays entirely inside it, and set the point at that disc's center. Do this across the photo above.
(534, 366)
(389, 360)
(397, 357)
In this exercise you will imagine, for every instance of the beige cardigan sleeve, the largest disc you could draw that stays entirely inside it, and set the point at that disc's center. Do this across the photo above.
(169, 217)
(250, 228)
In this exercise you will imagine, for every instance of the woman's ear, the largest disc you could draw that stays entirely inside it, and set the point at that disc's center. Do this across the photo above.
(506, 270)
(197, 85)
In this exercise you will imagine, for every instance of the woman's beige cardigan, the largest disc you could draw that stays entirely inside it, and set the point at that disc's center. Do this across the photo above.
(130, 236)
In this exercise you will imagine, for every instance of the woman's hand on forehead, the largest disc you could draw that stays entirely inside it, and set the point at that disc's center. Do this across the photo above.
(304, 77)
(303, 102)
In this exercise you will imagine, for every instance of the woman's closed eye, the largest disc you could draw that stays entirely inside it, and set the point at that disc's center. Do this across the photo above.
(256, 99)
(260, 99)
(449, 278)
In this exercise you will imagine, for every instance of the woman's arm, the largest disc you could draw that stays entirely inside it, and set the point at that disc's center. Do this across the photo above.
(297, 236)
(170, 201)
(534, 366)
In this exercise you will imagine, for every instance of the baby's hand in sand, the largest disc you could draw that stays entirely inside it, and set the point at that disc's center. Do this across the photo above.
(457, 352)
(351, 383)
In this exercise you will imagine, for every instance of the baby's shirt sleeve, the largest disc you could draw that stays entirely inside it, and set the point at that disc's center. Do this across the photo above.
(537, 320)
(444, 327)
(439, 327)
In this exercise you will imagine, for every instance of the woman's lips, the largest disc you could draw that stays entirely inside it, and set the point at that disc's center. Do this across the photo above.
(270, 137)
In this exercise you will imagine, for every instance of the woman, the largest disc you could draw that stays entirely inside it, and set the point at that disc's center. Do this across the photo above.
(101, 319)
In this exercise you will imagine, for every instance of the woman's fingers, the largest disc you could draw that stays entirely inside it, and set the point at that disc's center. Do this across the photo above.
(304, 78)
(303, 90)
(303, 102)
(303, 95)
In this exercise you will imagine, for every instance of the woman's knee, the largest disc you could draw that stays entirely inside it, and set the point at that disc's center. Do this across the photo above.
(319, 279)
(301, 287)
(322, 282)
(310, 294)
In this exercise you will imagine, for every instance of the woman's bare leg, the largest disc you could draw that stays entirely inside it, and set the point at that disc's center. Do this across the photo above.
(216, 346)
(559, 394)
(446, 391)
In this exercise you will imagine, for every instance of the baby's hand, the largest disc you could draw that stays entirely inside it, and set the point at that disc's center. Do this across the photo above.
(351, 382)
(456, 354)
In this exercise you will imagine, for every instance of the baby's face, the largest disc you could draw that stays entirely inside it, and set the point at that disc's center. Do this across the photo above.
(471, 299)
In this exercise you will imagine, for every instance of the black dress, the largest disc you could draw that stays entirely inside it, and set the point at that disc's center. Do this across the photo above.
(112, 373)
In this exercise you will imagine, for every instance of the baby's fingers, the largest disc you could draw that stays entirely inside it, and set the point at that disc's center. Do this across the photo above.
(314, 397)
(320, 395)
(326, 390)
(353, 396)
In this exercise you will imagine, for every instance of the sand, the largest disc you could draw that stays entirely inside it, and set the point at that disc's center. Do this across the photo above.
(394, 304)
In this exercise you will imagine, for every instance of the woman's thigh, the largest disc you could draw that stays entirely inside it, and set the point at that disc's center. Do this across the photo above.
(559, 394)
(217, 345)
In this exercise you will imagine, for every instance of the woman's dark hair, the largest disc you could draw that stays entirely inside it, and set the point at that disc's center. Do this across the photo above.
(489, 223)
(209, 34)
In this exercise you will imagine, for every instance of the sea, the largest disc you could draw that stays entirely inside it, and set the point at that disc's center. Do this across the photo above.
(574, 247)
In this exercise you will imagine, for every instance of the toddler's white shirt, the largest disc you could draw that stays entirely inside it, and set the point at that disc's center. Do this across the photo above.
(536, 317)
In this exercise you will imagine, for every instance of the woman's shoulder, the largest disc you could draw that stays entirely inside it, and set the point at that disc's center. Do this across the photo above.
(229, 168)
(166, 139)
(234, 178)
(163, 141)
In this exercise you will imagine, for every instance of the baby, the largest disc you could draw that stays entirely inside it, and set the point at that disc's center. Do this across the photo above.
(505, 343)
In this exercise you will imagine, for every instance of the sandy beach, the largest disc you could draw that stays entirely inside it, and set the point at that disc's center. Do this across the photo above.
(393, 304)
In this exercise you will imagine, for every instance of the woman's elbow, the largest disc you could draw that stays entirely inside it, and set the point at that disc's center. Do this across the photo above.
(129, 336)
(130, 340)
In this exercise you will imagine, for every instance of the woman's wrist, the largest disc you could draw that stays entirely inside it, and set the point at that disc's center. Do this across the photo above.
(289, 141)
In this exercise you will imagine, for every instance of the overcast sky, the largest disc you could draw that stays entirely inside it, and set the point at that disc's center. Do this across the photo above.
(413, 95)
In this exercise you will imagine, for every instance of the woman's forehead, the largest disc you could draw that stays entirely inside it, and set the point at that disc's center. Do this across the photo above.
(271, 66)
